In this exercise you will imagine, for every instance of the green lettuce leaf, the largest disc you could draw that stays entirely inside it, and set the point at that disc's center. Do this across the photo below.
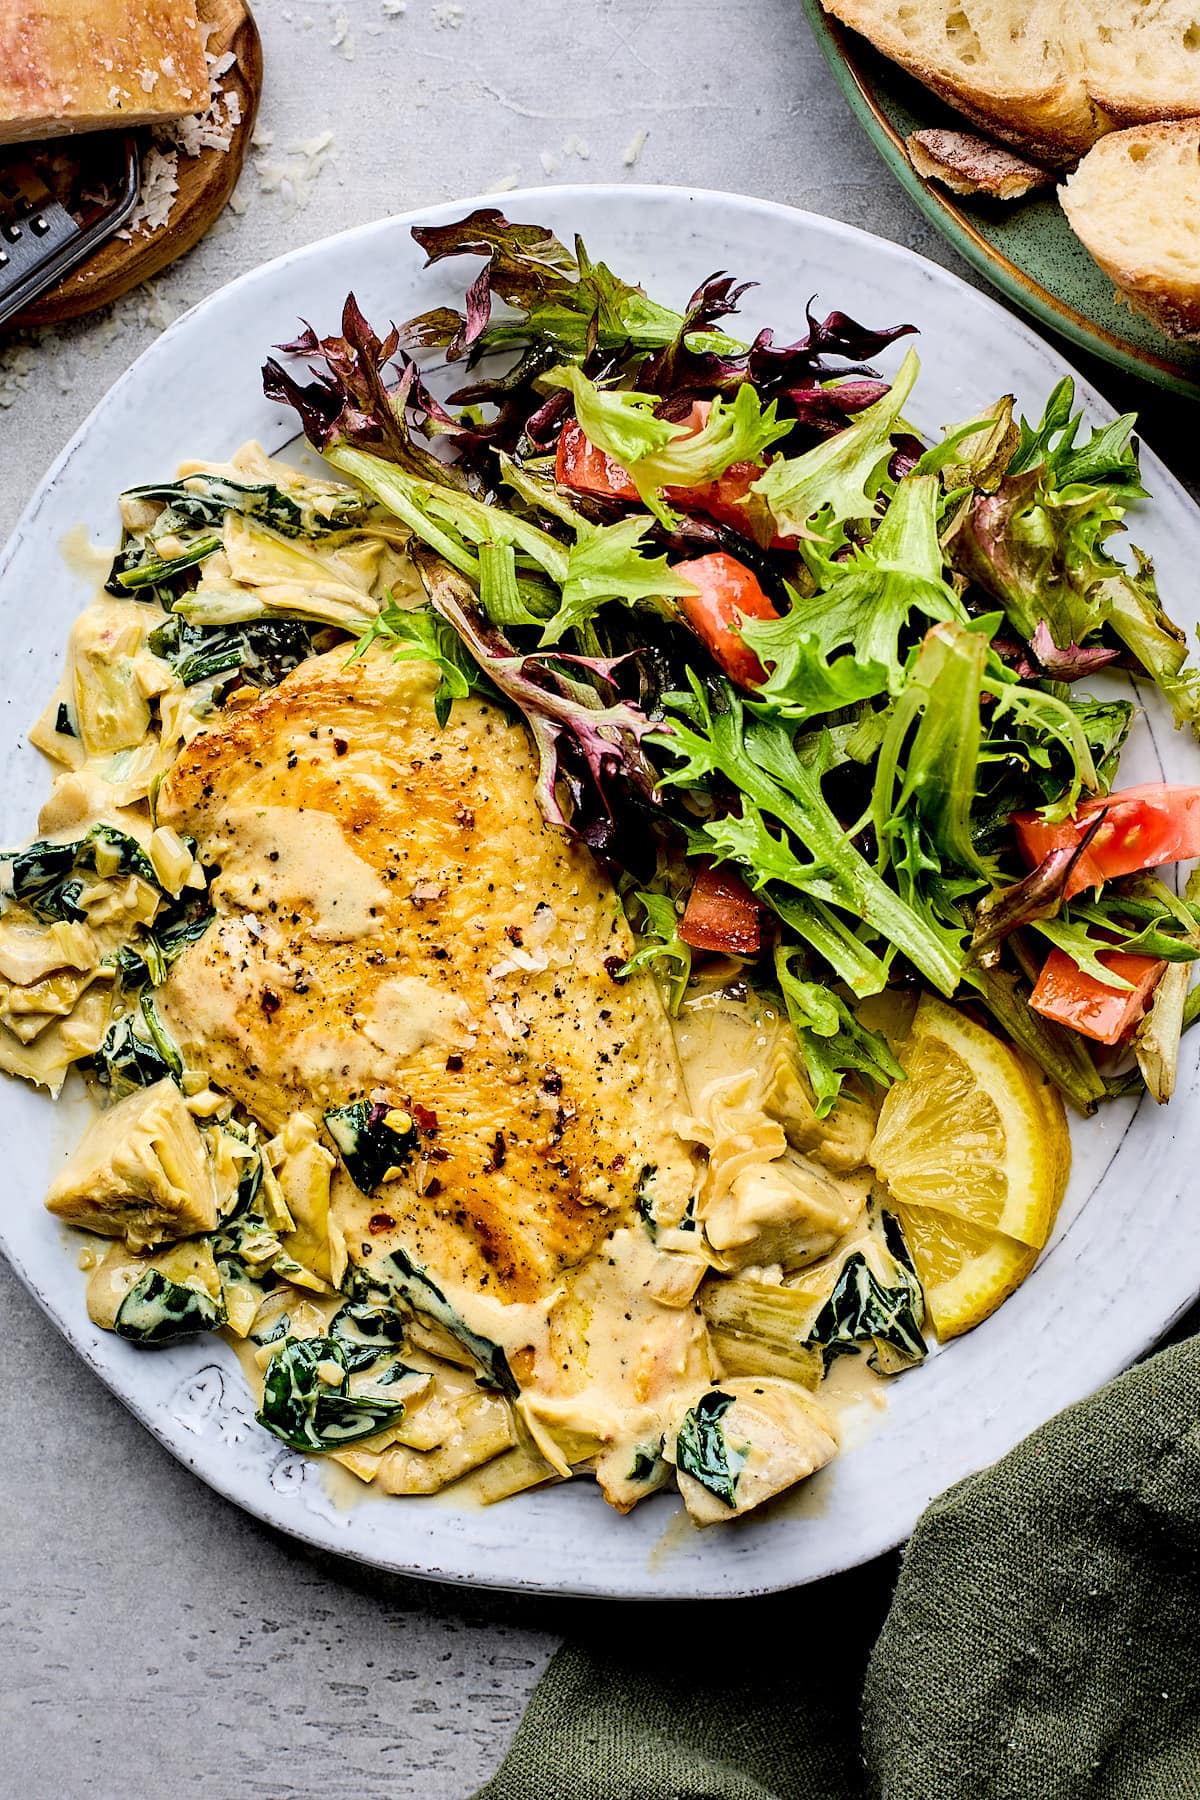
(832, 1042)
(862, 611)
(607, 563)
(843, 474)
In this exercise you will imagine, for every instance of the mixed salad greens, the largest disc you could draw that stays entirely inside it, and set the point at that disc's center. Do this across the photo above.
(807, 682)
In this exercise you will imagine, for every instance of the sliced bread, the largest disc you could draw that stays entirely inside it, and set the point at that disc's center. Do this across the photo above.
(1007, 64)
(1051, 76)
(1134, 201)
(1141, 58)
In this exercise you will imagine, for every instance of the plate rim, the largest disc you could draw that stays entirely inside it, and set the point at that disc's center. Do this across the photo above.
(731, 1582)
(944, 213)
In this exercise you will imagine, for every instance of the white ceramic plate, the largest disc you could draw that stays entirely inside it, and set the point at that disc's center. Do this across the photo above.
(1125, 1260)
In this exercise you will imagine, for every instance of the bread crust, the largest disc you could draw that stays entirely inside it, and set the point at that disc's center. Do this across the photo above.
(969, 164)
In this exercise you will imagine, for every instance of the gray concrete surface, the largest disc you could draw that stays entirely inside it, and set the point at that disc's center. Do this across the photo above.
(153, 1640)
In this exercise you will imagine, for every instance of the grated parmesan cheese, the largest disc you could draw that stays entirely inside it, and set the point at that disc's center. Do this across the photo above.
(293, 180)
(190, 136)
(160, 184)
(635, 146)
(17, 364)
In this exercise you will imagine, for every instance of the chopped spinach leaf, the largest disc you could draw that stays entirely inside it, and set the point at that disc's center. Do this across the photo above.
(140, 573)
(305, 1407)
(863, 1309)
(157, 1310)
(149, 956)
(200, 500)
(424, 1296)
(49, 878)
(647, 1460)
(275, 1333)
(127, 1060)
(62, 721)
(703, 1451)
(376, 1142)
(644, 1199)
(263, 651)
(367, 1333)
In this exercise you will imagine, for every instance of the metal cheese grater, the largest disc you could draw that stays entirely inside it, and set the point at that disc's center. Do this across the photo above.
(40, 240)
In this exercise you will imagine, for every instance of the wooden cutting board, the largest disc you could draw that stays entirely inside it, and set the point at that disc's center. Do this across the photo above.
(205, 184)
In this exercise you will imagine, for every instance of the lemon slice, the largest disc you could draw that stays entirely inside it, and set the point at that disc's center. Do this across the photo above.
(966, 1272)
(973, 1132)
(975, 1150)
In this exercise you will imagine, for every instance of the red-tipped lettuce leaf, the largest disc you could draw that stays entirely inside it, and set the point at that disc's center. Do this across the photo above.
(592, 749)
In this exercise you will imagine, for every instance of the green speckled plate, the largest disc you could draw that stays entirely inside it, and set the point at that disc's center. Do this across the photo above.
(1026, 248)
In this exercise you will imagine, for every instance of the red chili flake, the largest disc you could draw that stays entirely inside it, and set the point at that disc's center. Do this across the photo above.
(270, 1002)
(513, 934)
(498, 1155)
(614, 965)
(465, 817)
(454, 1064)
(381, 1222)
(552, 1082)
(427, 1121)
(340, 746)
(617, 1164)
(433, 1185)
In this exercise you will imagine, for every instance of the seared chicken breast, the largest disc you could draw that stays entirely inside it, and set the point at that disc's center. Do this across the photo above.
(396, 924)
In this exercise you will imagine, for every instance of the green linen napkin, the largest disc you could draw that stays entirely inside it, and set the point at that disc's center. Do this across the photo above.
(1042, 1643)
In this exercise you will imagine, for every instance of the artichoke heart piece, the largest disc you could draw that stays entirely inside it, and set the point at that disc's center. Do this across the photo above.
(484, 1430)
(31, 952)
(303, 1166)
(763, 1328)
(109, 691)
(141, 1173)
(744, 1442)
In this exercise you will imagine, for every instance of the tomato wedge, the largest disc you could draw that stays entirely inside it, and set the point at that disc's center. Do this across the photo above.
(722, 914)
(580, 466)
(726, 592)
(1068, 995)
(1141, 828)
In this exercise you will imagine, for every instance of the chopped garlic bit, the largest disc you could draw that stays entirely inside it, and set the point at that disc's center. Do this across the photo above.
(635, 146)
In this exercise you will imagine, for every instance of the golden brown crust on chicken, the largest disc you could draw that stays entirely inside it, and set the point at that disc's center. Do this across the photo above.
(395, 922)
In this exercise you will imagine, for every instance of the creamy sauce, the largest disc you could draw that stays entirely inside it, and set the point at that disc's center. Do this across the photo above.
(408, 1014)
(279, 857)
(91, 562)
